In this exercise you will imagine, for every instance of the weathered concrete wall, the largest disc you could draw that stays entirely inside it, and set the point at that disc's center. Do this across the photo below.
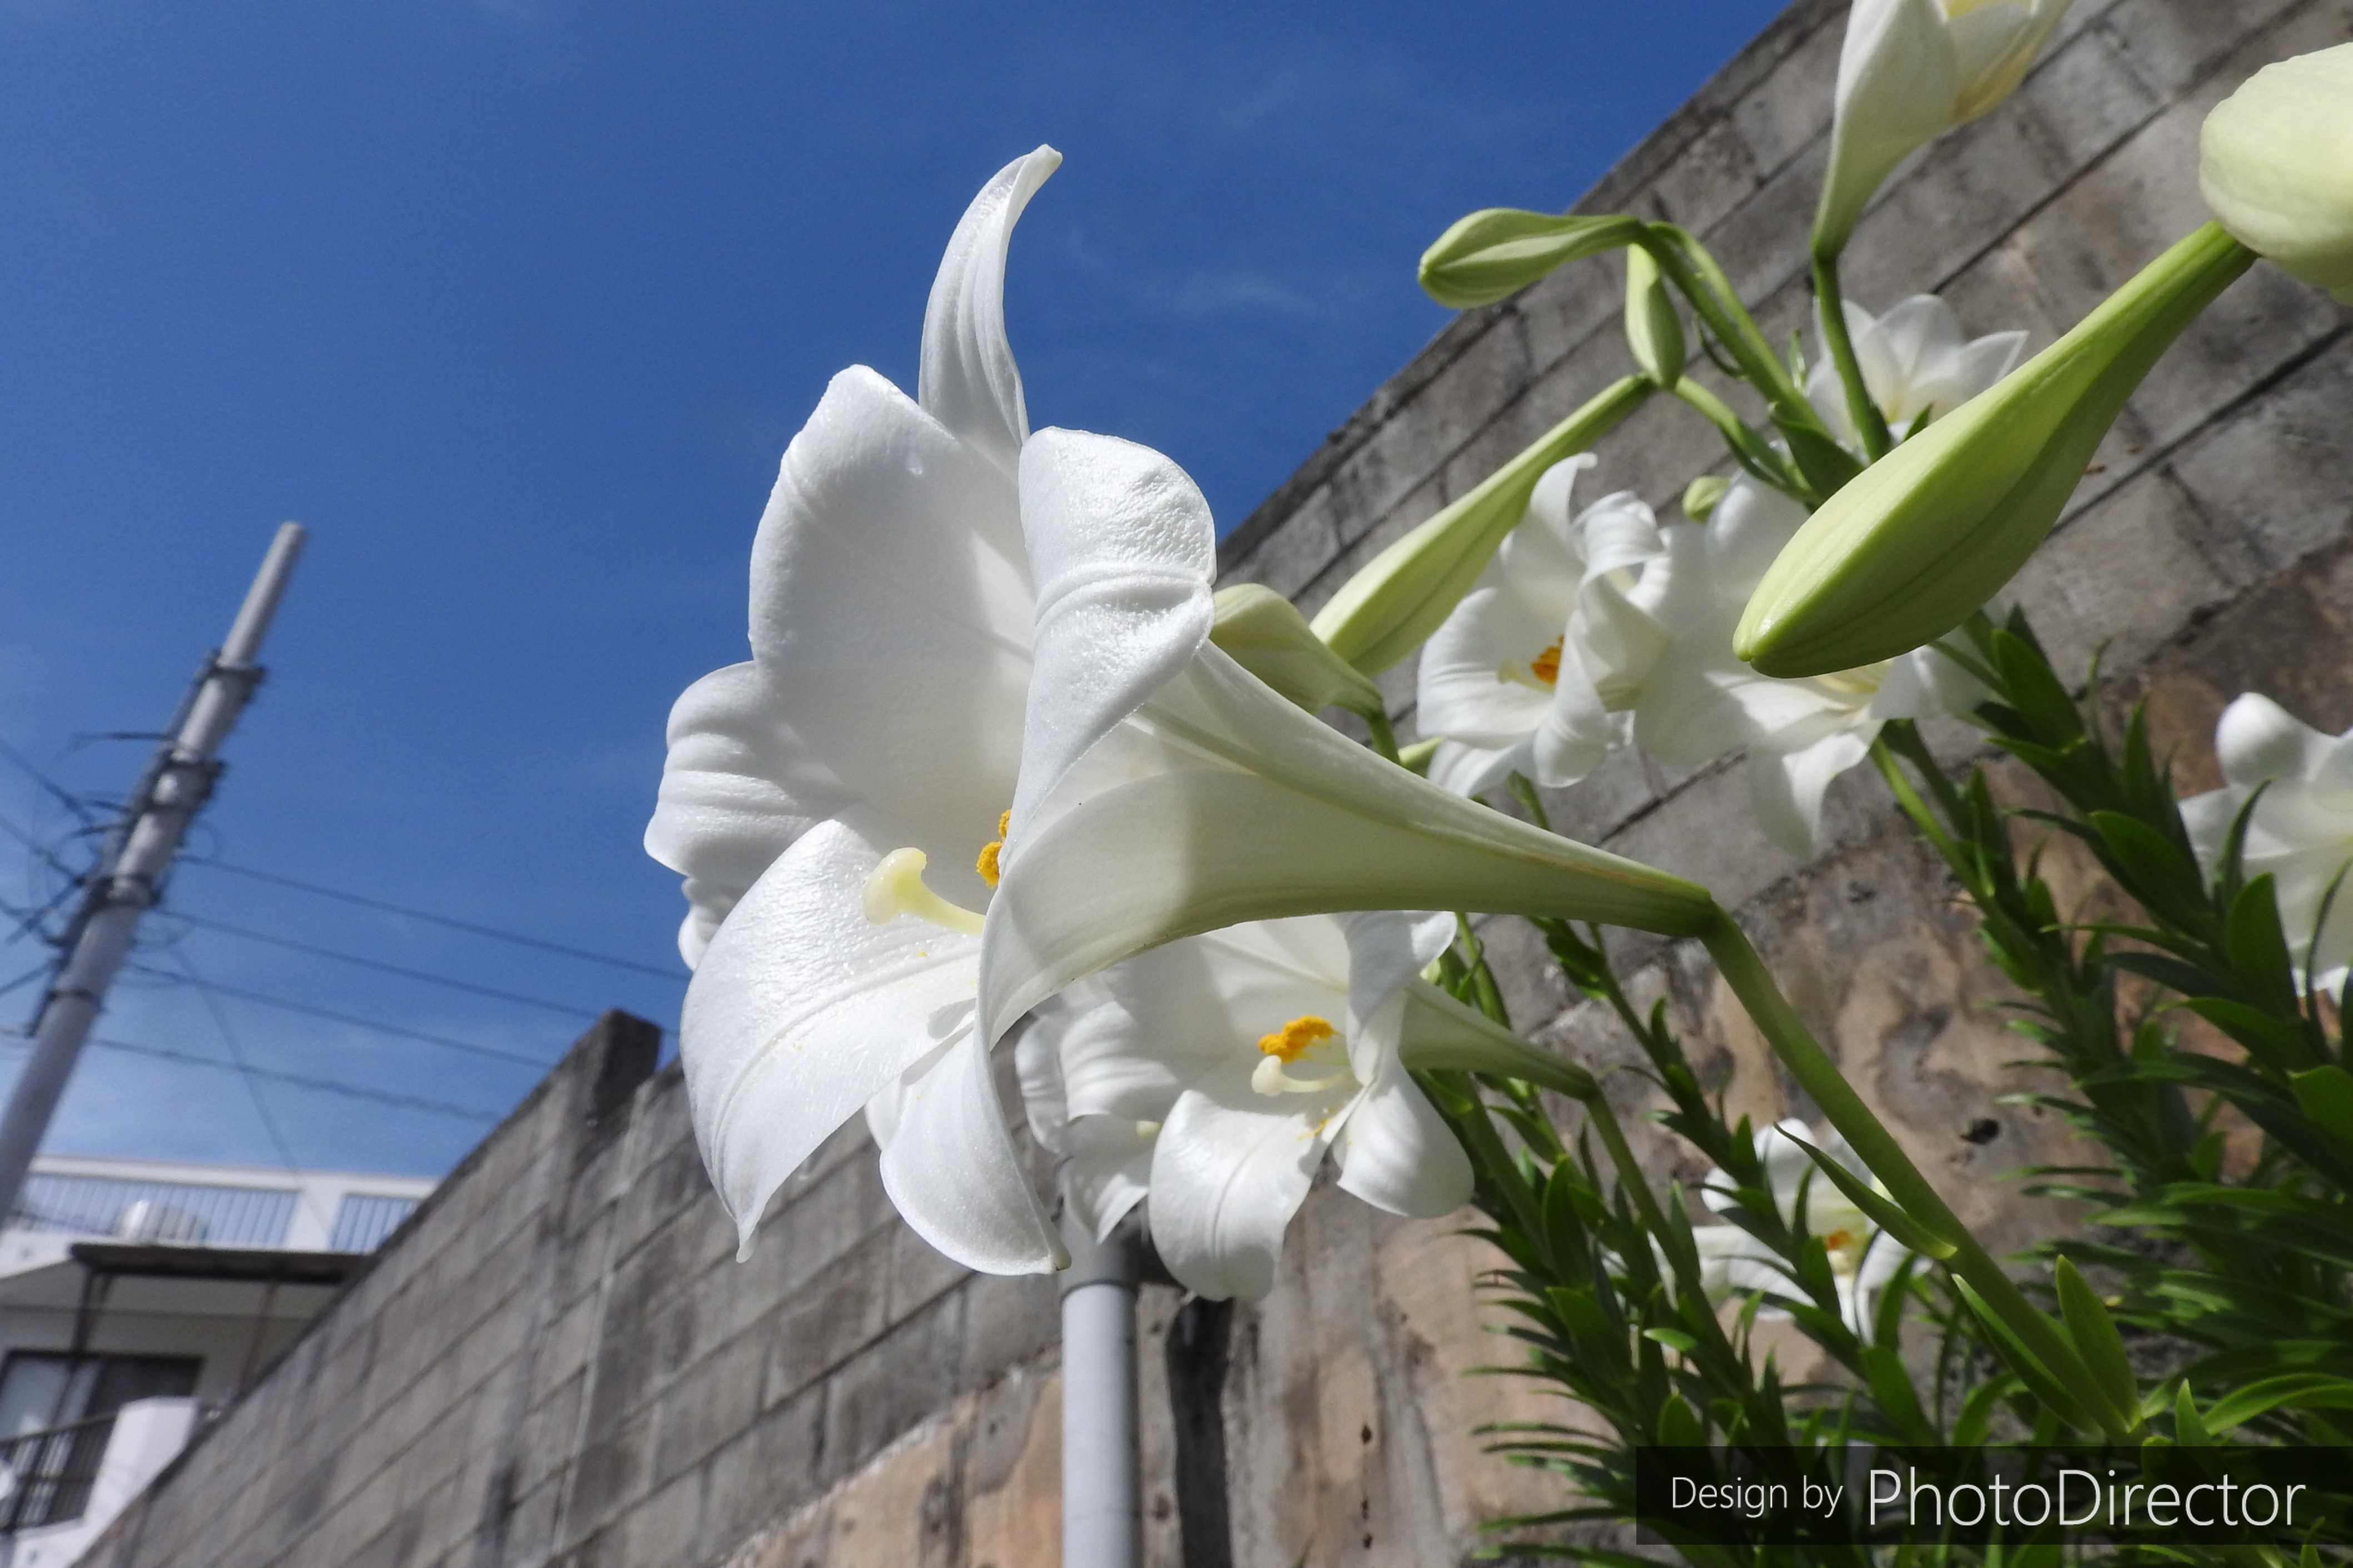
(557, 1363)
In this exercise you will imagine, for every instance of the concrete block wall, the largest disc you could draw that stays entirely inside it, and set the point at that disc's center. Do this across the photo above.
(557, 1363)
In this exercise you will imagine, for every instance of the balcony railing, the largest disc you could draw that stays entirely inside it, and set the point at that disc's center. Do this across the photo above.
(155, 1211)
(49, 1474)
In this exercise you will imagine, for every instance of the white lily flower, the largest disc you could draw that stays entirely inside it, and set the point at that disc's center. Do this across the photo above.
(1909, 71)
(1700, 702)
(1537, 670)
(1917, 364)
(911, 695)
(1258, 1050)
(1165, 792)
(1861, 1259)
(2301, 830)
(878, 721)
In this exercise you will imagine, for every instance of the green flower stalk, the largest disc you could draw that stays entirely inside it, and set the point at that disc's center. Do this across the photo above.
(1916, 544)
(2275, 162)
(1391, 606)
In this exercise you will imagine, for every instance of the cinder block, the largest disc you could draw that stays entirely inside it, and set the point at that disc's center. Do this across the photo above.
(714, 1402)
(1791, 107)
(661, 1529)
(2175, 48)
(1009, 1321)
(892, 1386)
(1713, 174)
(761, 1478)
(830, 1317)
(2126, 573)
(2276, 468)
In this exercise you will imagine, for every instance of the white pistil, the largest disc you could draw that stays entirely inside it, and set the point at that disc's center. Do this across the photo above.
(897, 888)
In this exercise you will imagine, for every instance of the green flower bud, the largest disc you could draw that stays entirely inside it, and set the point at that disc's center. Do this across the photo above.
(1701, 495)
(1499, 252)
(1267, 636)
(1653, 331)
(2276, 160)
(1909, 549)
(1398, 597)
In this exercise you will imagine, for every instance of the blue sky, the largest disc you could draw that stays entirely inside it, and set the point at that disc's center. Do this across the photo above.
(516, 303)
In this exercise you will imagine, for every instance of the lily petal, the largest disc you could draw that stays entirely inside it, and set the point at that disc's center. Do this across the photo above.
(888, 577)
(737, 789)
(1396, 1154)
(1229, 1170)
(1123, 550)
(952, 1170)
(968, 380)
(1785, 788)
(802, 1010)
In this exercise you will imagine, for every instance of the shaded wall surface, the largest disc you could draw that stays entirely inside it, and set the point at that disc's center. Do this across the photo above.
(556, 1361)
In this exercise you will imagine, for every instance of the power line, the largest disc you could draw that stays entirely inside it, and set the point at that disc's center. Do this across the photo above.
(327, 1086)
(468, 926)
(207, 923)
(329, 1014)
(63, 795)
(252, 1086)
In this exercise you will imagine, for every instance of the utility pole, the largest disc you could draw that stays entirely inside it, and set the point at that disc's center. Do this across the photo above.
(132, 867)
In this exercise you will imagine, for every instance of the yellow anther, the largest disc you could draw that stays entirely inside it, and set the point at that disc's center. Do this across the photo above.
(896, 887)
(1293, 1039)
(1541, 673)
(990, 851)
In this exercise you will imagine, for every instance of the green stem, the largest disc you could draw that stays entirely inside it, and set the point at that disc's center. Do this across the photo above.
(1384, 735)
(1755, 455)
(1816, 454)
(1819, 1077)
(1860, 406)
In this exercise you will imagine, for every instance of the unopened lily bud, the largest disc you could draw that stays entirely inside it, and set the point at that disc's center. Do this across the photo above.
(1499, 252)
(1267, 636)
(1909, 71)
(2275, 162)
(1701, 495)
(1398, 597)
(1653, 331)
(1924, 537)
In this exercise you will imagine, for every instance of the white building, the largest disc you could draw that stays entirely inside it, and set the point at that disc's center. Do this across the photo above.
(139, 1296)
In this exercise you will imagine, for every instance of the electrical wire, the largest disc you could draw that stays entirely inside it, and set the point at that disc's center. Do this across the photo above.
(63, 795)
(326, 1222)
(205, 922)
(331, 1016)
(364, 901)
(17, 1038)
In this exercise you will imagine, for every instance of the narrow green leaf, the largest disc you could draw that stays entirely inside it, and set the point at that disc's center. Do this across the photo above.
(2188, 1429)
(2325, 1093)
(1883, 1212)
(2095, 1336)
(2023, 1362)
(2289, 1391)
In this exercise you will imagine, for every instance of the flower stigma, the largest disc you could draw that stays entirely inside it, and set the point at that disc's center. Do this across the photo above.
(897, 888)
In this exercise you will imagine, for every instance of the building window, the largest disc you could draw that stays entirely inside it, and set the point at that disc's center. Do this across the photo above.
(56, 1415)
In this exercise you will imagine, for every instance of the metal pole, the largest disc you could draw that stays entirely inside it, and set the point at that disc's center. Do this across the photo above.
(138, 854)
(1103, 1494)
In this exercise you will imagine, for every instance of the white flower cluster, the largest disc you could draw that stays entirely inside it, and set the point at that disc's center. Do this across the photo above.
(1603, 628)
